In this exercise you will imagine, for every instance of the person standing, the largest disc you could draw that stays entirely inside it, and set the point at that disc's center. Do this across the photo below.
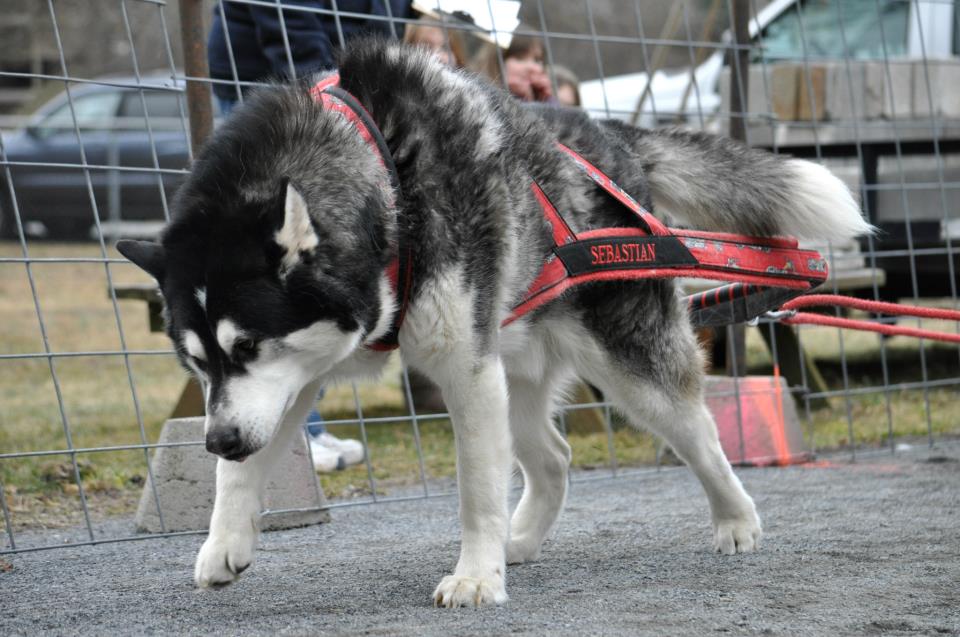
(292, 41)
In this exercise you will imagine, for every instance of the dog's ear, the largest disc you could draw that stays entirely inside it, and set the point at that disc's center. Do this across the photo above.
(149, 256)
(296, 236)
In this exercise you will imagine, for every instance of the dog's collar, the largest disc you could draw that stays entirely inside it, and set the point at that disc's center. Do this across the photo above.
(328, 93)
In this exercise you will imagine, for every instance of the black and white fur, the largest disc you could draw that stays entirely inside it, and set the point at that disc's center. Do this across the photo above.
(272, 270)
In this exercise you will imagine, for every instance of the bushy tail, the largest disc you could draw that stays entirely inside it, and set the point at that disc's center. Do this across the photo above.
(714, 183)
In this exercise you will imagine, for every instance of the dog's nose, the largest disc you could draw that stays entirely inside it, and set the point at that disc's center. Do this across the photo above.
(227, 443)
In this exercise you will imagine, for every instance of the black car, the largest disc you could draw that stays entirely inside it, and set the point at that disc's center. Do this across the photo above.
(53, 190)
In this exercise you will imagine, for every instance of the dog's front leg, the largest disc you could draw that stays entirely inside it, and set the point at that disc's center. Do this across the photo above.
(477, 399)
(235, 523)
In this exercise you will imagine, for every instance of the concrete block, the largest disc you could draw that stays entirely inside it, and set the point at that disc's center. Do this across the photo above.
(775, 94)
(846, 93)
(766, 421)
(944, 89)
(874, 79)
(898, 90)
(185, 477)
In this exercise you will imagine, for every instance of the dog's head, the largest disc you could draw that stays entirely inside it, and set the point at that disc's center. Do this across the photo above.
(272, 269)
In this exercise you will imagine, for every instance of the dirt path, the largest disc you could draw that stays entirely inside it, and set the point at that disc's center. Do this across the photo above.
(857, 549)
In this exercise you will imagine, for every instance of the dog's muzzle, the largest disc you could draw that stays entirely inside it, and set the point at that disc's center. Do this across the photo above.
(227, 443)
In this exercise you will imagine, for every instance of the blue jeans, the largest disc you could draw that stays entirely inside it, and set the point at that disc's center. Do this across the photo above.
(226, 105)
(315, 425)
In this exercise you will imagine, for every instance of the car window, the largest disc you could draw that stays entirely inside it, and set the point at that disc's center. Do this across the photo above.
(163, 107)
(93, 111)
(811, 29)
(167, 110)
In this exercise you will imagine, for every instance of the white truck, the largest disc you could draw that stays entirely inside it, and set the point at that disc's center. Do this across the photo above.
(786, 30)
(871, 87)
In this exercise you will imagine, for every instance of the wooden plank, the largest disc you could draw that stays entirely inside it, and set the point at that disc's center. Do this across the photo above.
(191, 401)
(812, 93)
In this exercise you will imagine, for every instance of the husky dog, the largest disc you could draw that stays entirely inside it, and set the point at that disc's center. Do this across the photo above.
(274, 274)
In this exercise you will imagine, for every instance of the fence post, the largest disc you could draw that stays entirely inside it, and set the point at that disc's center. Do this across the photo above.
(199, 105)
(736, 363)
(740, 70)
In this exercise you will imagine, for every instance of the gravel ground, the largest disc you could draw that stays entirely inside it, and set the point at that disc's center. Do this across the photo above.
(866, 548)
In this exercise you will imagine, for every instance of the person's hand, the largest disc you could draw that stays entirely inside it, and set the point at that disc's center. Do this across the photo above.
(540, 86)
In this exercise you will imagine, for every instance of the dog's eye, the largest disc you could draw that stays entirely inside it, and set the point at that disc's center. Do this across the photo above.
(245, 346)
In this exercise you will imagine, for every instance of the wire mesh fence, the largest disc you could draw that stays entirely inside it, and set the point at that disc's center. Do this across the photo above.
(868, 87)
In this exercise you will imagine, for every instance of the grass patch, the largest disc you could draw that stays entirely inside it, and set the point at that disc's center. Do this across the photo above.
(95, 395)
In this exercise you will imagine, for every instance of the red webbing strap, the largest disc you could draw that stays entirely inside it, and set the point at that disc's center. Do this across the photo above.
(878, 307)
(400, 270)
(656, 251)
(650, 223)
(562, 233)
(559, 273)
(321, 93)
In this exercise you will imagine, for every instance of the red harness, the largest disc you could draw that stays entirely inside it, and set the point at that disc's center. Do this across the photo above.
(328, 92)
(768, 271)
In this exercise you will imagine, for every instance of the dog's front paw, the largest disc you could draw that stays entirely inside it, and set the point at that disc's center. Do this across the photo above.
(455, 591)
(222, 559)
(739, 535)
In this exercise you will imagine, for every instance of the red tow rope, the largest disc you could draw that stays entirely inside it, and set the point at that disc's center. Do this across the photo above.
(879, 307)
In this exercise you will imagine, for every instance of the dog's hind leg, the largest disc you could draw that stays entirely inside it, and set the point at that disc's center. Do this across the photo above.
(544, 458)
(235, 523)
(688, 427)
(648, 363)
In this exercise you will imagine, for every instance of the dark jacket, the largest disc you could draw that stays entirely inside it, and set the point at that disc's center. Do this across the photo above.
(256, 37)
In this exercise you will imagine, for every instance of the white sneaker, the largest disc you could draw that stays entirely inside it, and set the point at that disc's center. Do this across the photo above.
(350, 450)
(325, 459)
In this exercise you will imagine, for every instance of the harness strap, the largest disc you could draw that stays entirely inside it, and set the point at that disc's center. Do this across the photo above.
(400, 269)
(768, 271)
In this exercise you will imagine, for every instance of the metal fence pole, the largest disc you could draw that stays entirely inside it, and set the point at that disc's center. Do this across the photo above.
(195, 66)
(736, 363)
(740, 70)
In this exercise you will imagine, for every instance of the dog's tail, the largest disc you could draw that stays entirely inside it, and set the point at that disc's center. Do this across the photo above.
(714, 183)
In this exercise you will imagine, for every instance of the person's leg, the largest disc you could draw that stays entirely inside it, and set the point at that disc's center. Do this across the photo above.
(329, 452)
(226, 105)
(325, 459)
(315, 424)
